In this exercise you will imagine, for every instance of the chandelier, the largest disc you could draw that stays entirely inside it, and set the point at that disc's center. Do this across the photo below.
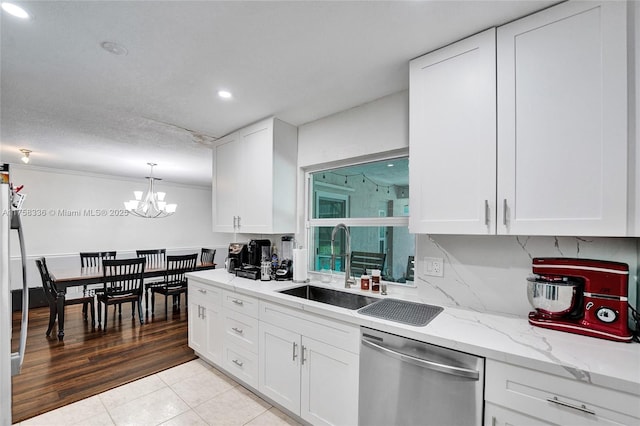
(150, 204)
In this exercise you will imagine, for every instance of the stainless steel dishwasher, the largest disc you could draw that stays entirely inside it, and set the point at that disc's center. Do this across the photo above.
(404, 382)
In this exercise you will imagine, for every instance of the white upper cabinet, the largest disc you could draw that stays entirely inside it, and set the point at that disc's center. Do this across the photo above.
(553, 160)
(452, 134)
(562, 121)
(254, 179)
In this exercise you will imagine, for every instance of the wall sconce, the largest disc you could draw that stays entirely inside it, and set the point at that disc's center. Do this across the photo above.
(25, 155)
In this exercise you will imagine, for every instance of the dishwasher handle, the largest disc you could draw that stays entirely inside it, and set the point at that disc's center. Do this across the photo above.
(431, 365)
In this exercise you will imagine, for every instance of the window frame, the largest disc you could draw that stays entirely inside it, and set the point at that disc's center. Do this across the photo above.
(310, 223)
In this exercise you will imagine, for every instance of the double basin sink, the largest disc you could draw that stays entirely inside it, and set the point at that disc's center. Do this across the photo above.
(411, 313)
(330, 297)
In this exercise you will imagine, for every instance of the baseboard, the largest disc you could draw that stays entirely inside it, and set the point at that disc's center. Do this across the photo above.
(36, 298)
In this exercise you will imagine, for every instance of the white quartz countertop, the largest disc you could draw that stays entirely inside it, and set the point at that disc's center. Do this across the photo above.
(504, 338)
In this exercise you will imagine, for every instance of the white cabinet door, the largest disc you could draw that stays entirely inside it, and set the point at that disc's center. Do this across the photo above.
(452, 138)
(329, 384)
(197, 327)
(215, 333)
(495, 415)
(255, 178)
(279, 366)
(226, 172)
(562, 121)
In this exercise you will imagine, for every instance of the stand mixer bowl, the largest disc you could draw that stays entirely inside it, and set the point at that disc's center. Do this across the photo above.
(552, 297)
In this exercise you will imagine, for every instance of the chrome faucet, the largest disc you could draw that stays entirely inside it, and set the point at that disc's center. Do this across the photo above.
(348, 281)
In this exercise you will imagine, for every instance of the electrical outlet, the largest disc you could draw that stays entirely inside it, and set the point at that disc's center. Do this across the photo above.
(434, 266)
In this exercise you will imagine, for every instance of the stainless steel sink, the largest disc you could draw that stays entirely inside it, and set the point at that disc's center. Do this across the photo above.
(330, 297)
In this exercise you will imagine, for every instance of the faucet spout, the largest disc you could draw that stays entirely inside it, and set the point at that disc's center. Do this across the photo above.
(348, 281)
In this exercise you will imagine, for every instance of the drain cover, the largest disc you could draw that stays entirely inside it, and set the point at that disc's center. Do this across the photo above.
(417, 314)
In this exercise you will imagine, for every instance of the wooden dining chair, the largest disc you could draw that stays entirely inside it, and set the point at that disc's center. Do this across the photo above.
(156, 258)
(123, 282)
(362, 261)
(175, 282)
(93, 259)
(51, 294)
(207, 255)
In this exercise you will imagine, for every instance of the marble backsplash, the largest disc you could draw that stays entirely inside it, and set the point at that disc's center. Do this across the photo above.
(488, 273)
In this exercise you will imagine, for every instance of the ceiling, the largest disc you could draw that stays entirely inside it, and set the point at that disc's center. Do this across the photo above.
(79, 107)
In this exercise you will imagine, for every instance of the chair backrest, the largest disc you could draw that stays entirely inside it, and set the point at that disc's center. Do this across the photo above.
(93, 259)
(207, 255)
(123, 276)
(177, 266)
(362, 262)
(410, 268)
(156, 258)
(50, 291)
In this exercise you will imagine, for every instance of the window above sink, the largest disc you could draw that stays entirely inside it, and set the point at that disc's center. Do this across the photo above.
(372, 199)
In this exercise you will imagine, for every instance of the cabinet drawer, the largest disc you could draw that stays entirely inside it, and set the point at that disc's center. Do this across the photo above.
(558, 399)
(241, 330)
(241, 364)
(335, 333)
(204, 294)
(240, 303)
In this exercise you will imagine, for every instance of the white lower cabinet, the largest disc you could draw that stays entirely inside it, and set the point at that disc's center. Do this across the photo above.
(520, 396)
(205, 321)
(309, 377)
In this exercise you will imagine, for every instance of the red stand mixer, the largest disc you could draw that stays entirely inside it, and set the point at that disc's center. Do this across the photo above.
(582, 296)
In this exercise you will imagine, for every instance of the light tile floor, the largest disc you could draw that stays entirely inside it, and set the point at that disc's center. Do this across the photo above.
(193, 393)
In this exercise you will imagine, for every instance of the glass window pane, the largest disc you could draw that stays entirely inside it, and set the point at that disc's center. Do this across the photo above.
(377, 189)
(393, 244)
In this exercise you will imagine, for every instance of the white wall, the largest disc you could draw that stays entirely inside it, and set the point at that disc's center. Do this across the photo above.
(55, 231)
(484, 273)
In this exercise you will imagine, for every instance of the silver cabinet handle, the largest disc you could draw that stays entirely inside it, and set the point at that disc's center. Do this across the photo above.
(238, 363)
(238, 222)
(204, 312)
(237, 330)
(486, 212)
(235, 218)
(295, 345)
(582, 407)
(303, 358)
(202, 291)
(504, 212)
(431, 365)
(238, 302)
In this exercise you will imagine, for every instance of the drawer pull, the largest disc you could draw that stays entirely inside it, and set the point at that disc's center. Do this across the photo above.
(202, 291)
(238, 330)
(238, 302)
(294, 355)
(238, 363)
(582, 407)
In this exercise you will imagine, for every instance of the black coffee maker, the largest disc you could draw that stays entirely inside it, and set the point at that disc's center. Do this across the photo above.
(238, 256)
(259, 250)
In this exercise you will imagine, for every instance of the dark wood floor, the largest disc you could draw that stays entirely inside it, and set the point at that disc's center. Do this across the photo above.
(88, 361)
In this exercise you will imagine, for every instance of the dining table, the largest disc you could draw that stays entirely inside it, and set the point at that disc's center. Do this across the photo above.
(66, 277)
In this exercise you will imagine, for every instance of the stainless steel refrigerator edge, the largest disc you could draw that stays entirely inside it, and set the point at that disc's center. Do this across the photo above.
(10, 363)
(404, 382)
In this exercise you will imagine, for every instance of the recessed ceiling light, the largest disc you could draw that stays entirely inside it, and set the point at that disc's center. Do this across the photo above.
(25, 155)
(390, 165)
(15, 10)
(115, 48)
(224, 94)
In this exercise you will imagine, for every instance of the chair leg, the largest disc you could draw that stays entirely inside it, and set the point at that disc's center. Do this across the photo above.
(140, 310)
(106, 316)
(93, 314)
(146, 300)
(166, 310)
(100, 312)
(153, 302)
(53, 307)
